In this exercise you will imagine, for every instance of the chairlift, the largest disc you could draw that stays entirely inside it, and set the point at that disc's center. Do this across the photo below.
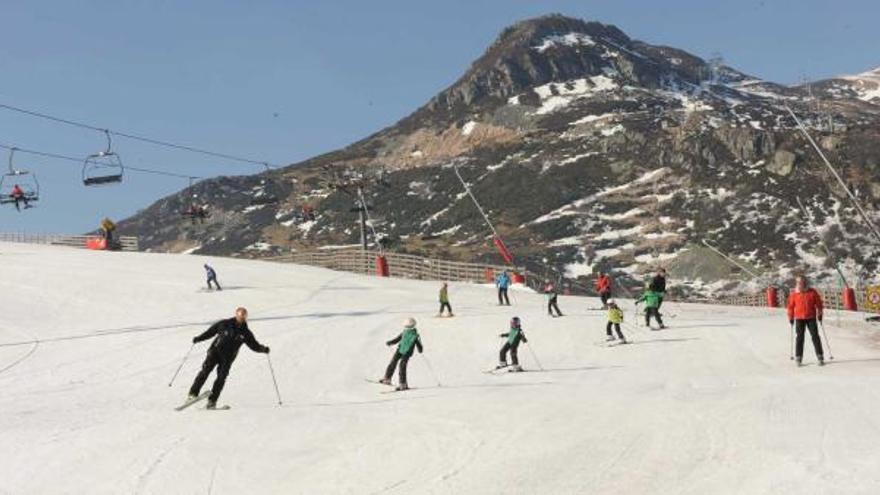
(104, 167)
(23, 180)
(195, 211)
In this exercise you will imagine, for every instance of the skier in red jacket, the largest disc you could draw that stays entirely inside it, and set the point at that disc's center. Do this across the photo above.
(804, 309)
(603, 287)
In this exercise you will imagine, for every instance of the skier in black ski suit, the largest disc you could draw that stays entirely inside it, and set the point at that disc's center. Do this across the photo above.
(229, 335)
(658, 285)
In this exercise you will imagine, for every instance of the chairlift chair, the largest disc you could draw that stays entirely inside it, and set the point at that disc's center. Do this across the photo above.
(103, 168)
(25, 180)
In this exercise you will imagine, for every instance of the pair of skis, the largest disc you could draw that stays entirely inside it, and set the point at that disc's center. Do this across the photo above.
(393, 389)
(202, 396)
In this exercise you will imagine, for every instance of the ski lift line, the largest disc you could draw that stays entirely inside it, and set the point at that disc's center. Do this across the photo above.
(731, 260)
(862, 213)
(822, 241)
(363, 202)
(135, 137)
(79, 161)
(467, 188)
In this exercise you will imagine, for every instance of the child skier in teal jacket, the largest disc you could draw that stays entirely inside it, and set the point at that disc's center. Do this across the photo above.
(407, 341)
(514, 336)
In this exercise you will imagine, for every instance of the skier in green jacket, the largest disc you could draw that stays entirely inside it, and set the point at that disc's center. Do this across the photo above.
(407, 341)
(514, 336)
(444, 300)
(652, 305)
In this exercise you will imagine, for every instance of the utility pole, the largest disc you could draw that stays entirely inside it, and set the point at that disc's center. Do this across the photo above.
(354, 183)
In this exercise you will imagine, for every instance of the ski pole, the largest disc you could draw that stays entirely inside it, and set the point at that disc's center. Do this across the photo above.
(791, 353)
(532, 351)
(431, 369)
(275, 382)
(827, 342)
(185, 357)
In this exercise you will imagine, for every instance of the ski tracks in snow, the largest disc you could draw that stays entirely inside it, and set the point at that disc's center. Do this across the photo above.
(143, 479)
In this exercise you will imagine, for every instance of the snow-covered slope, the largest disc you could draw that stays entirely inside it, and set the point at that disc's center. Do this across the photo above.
(712, 405)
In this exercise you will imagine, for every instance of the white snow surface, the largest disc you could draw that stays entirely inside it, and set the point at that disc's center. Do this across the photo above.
(89, 341)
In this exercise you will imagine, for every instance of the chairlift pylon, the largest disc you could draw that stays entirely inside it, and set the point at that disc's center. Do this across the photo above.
(25, 181)
(104, 167)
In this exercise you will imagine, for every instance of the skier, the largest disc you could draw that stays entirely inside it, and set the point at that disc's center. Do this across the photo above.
(19, 196)
(444, 300)
(229, 335)
(652, 302)
(107, 229)
(503, 283)
(212, 277)
(603, 287)
(615, 318)
(408, 340)
(805, 307)
(552, 297)
(658, 285)
(514, 336)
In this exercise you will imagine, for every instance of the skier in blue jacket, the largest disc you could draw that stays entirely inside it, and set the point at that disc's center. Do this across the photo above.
(212, 277)
(502, 282)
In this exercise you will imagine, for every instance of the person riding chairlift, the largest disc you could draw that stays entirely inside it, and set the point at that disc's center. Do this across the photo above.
(19, 196)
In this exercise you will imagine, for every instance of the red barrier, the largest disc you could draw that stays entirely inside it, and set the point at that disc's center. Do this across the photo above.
(849, 299)
(772, 299)
(502, 249)
(490, 275)
(96, 243)
(517, 278)
(381, 266)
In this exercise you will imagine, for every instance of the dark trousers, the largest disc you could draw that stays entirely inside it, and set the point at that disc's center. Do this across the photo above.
(446, 306)
(212, 360)
(799, 327)
(649, 312)
(502, 356)
(604, 296)
(20, 199)
(551, 305)
(659, 303)
(213, 279)
(616, 327)
(395, 359)
(502, 293)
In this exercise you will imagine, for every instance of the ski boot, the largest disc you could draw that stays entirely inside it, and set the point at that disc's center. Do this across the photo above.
(609, 338)
(211, 405)
(623, 341)
(402, 387)
(798, 361)
(385, 381)
(516, 368)
(502, 364)
(821, 360)
(191, 397)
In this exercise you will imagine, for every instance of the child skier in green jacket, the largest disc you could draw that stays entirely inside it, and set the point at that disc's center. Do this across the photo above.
(652, 305)
(615, 318)
(407, 341)
(514, 336)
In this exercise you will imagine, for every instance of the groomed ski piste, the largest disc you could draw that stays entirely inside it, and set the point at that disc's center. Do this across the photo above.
(713, 404)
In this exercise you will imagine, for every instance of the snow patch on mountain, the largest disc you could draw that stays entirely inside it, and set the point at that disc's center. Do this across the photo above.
(569, 39)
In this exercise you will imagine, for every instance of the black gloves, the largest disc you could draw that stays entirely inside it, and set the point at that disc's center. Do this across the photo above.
(195, 340)
(265, 349)
(791, 322)
(389, 343)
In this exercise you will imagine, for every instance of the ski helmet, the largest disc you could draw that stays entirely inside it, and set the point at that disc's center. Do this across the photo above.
(514, 322)
(409, 323)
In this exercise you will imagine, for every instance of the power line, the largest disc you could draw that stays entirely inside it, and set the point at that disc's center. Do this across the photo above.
(80, 162)
(135, 137)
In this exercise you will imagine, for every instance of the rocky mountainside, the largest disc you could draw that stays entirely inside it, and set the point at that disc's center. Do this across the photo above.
(589, 150)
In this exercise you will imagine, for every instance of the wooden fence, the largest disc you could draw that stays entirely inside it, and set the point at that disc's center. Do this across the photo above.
(127, 243)
(399, 265)
(832, 296)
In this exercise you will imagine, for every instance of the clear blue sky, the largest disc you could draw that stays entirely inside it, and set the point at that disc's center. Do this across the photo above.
(214, 74)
